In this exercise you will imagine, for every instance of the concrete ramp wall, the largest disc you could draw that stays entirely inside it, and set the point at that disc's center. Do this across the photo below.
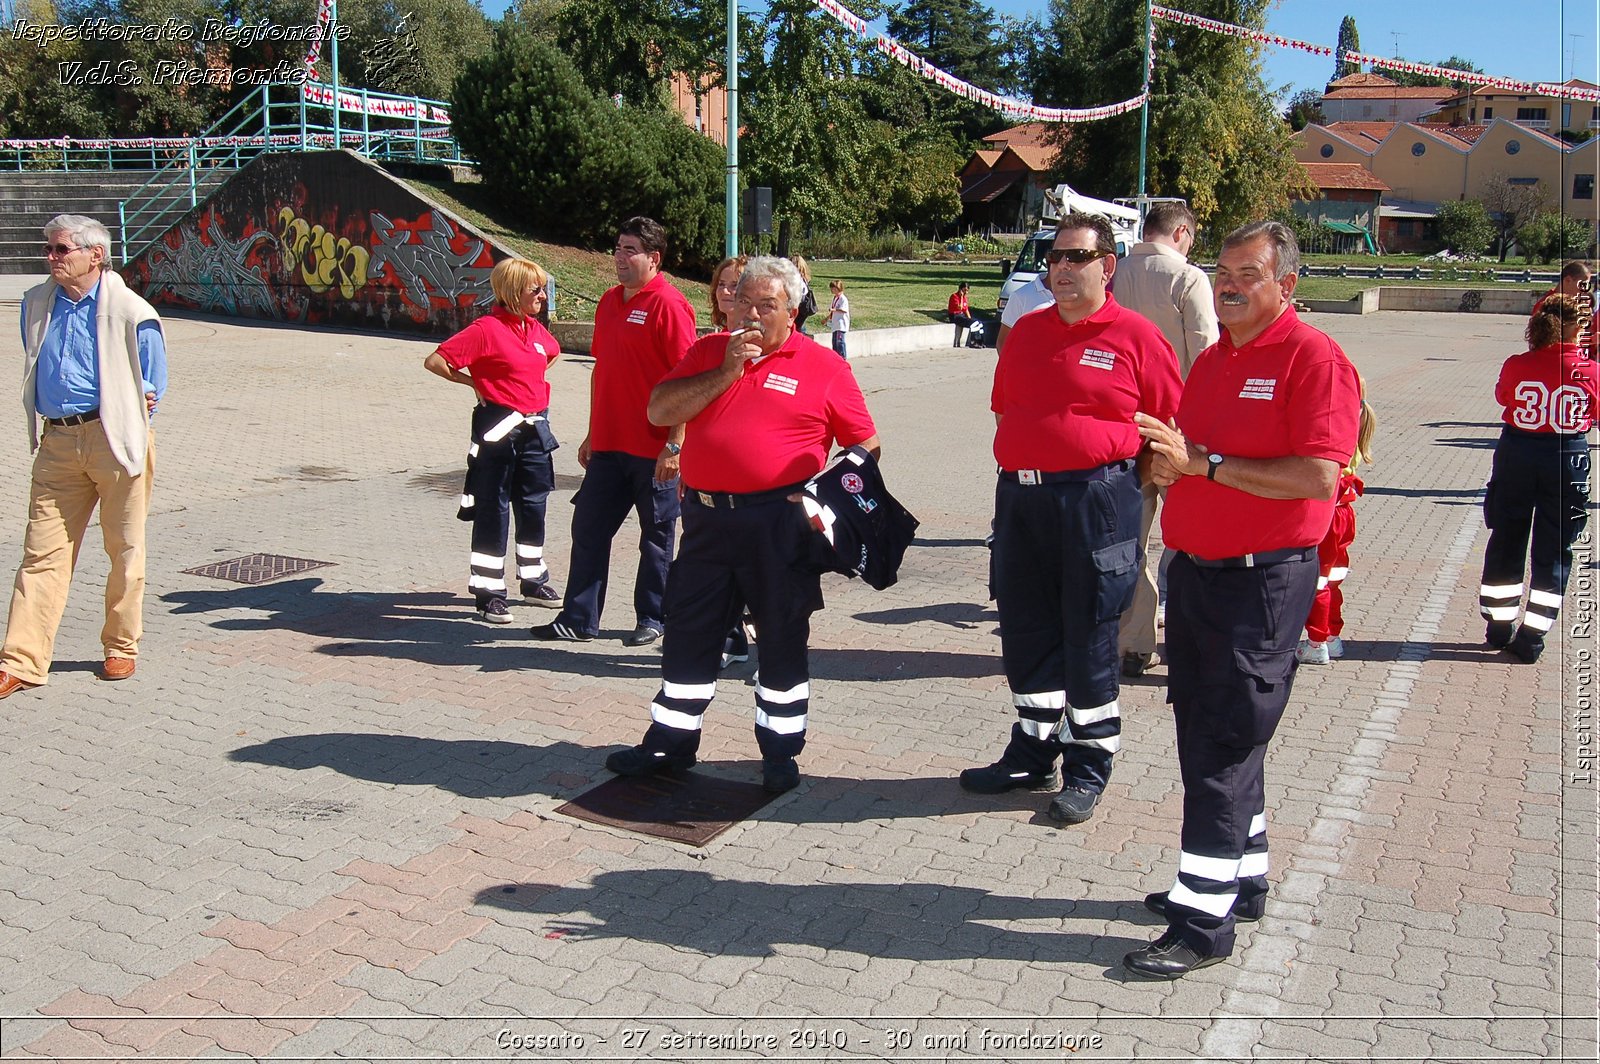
(322, 238)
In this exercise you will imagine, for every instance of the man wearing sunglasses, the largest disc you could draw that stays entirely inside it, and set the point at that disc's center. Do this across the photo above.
(1066, 551)
(94, 367)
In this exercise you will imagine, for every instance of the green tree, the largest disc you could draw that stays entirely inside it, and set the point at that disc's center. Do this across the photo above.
(1349, 41)
(632, 48)
(1510, 207)
(1305, 109)
(1465, 228)
(571, 164)
(33, 100)
(961, 37)
(914, 174)
(1214, 137)
(806, 117)
(1551, 235)
(410, 47)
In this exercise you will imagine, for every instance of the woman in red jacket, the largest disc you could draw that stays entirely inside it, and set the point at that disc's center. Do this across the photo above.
(1540, 482)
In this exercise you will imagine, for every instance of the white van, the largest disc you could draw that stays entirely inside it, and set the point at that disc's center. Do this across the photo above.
(1060, 201)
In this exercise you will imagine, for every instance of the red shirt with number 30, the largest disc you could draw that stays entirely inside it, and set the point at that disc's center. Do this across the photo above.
(1549, 389)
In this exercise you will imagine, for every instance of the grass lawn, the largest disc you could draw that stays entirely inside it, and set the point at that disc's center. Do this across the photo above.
(882, 294)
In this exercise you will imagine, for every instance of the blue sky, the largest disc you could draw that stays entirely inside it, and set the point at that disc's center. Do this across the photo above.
(1543, 40)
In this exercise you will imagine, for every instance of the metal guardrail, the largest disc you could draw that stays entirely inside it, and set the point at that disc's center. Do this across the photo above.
(1448, 272)
(386, 127)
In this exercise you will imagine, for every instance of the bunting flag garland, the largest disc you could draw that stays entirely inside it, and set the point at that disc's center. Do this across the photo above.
(104, 143)
(387, 106)
(1008, 105)
(1543, 88)
(1183, 18)
(324, 17)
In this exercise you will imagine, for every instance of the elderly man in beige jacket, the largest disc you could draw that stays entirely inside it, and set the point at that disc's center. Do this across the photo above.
(94, 367)
(1156, 280)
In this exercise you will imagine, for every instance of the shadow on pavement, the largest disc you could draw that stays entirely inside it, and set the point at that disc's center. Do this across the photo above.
(965, 615)
(439, 628)
(1480, 443)
(913, 921)
(1442, 496)
(477, 768)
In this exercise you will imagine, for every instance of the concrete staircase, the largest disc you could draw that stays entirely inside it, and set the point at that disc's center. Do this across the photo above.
(30, 198)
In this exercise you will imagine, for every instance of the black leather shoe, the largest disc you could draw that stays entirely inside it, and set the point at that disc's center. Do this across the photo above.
(637, 761)
(1246, 914)
(1498, 634)
(1073, 805)
(641, 636)
(1167, 958)
(1001, 777)
(780, 776)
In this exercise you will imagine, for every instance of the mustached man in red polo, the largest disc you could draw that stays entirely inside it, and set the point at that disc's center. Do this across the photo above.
(1066, 528)
(642, 327)
(1251, 463)
(764, 405)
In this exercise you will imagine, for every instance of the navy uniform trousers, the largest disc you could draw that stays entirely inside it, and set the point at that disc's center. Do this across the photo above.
(1231, 638)
(756, 556)
(615, 483)
(1065, 561)
(1540, 484)
(508, 472)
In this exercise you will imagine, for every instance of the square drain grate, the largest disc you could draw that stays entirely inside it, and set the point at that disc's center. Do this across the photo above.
(693, 810)
(257, 568)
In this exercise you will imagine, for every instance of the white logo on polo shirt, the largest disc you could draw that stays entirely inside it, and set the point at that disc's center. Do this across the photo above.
(537, 346)
(637, 317)
(1258, 387)
(777, 382)
(1095, 359)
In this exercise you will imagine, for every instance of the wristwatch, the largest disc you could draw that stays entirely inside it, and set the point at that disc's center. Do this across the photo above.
(1213, 463)
(673, 449)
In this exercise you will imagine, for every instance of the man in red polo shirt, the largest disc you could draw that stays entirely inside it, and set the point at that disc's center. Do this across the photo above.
(1066, 530)
(642, 327)
(763, 407)
(1268, 419)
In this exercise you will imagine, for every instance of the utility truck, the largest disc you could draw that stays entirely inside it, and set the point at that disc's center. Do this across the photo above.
(1059, 202)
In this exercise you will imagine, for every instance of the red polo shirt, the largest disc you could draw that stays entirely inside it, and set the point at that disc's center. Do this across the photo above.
(1067, 393)
(1551, 389)
(1290, 391)
(776, 424)
(636, 341)
(507, 355)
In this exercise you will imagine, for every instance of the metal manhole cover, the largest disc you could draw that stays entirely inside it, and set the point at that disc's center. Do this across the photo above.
(257, 568)
(694, 809)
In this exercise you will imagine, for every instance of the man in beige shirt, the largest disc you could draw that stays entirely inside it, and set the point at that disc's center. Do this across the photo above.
(1156, 280)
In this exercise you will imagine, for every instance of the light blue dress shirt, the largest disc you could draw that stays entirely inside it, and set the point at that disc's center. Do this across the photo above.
(67, 381)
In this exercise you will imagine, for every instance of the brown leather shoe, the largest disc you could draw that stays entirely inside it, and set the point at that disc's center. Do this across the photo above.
(10, 685)
(117, 669)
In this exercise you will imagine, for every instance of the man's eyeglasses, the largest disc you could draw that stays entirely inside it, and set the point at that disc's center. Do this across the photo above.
(1076, 256)
(59, 249)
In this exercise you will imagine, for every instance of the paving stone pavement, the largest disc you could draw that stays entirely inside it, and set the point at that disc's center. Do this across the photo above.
(319, 823)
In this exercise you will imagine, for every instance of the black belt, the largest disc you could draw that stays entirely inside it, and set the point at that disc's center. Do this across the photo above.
(1250, 561)
(1065, 476)
(724, 500)
(74, 419)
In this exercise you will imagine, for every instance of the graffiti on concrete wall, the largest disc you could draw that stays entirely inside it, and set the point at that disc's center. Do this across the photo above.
(321, 238)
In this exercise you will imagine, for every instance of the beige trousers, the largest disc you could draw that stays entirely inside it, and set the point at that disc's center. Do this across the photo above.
(73, 471)
(1136, 634)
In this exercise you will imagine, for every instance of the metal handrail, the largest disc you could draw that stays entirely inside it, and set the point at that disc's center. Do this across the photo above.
(261, 124)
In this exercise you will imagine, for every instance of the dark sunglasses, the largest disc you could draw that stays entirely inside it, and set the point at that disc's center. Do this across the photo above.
(1076, 256)
(60, 249)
